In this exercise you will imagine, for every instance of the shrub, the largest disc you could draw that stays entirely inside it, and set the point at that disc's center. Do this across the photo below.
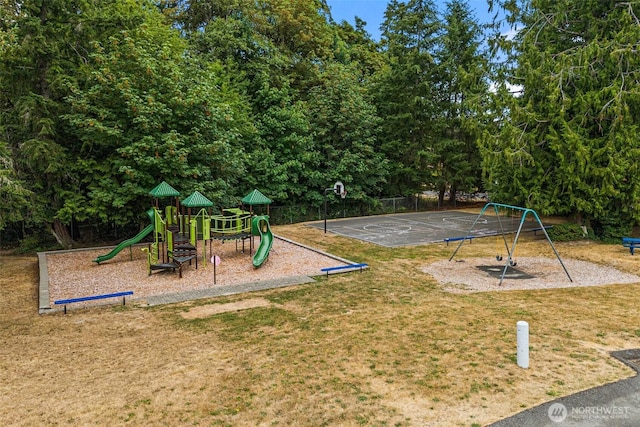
(610, 230)
(37, 243)
(566, 232)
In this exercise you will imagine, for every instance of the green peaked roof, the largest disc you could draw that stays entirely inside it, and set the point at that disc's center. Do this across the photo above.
(164, 190)
(256, 198)
(196, 200)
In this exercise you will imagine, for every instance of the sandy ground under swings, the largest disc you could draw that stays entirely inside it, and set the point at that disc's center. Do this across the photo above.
(73, 274)
(483, 274)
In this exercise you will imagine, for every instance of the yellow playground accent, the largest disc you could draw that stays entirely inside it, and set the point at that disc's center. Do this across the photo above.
(231, 222)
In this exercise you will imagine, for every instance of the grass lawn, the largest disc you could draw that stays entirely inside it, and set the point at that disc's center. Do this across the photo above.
(385, 347)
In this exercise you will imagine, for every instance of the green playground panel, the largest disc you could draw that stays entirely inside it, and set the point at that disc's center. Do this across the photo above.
(234, 221)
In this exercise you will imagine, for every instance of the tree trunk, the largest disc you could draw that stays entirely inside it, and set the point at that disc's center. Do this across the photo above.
(62, 235)
(443, 188)
(452, 195)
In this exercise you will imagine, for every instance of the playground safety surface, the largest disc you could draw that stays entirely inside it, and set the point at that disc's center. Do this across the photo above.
(72, 274)
(416, 228)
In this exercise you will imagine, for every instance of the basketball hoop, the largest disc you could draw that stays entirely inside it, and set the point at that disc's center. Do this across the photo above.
(338, 188)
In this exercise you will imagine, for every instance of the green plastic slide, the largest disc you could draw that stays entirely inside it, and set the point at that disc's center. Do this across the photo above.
(260, 226)
(127, 243)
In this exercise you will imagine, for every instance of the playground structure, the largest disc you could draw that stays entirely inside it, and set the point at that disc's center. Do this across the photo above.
(179, 227)
(510, 260)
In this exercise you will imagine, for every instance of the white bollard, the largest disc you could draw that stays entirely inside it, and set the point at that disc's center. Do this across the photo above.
(522, 338)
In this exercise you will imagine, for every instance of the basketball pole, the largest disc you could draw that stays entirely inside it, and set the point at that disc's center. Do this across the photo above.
(338, 188)
(325, 208)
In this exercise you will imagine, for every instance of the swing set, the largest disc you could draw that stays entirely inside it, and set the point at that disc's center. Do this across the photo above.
(500, 233)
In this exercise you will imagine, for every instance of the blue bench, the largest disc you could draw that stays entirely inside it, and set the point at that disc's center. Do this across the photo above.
(456, 239)
(631, 242)
(91, 298)
(344, 268)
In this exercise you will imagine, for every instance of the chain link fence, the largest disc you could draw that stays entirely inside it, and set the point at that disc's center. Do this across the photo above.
(278, 215)
(345, 208)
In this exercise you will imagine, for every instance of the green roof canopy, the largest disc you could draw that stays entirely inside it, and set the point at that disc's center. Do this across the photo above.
(197, 200)
(256, 198)
(164, 190)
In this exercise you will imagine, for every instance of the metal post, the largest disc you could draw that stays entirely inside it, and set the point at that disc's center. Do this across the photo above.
(522, 344)
(325, 208)
(513, 248)
(469, 233)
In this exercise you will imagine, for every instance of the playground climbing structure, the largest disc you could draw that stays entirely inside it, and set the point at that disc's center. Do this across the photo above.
(177, 229)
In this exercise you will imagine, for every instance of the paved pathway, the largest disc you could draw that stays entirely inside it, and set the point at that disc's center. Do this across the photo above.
(611, 405)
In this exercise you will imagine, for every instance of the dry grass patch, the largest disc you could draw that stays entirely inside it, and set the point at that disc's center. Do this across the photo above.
(203, 311)
(388, 346)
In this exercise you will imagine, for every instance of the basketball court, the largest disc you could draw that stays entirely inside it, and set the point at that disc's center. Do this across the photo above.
(419, 228)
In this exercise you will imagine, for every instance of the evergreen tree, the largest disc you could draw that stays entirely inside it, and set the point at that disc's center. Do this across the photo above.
(568, 144)
(462, 88)
(345, 125)
(43, 49)
(14, 197)
(406, 96)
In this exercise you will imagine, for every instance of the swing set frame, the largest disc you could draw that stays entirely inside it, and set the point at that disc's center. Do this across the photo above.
(511, 251)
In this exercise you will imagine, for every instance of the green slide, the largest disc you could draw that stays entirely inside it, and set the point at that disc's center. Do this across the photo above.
(260, 226)
(129, 242)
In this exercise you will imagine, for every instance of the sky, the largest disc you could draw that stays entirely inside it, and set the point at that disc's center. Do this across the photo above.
(372, 12)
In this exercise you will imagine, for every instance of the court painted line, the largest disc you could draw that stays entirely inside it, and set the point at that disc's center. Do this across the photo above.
(378, 238)
(426, 224)
(410, 230)
(422, 232)
(360, 230)
(399, 228)
(356, 233)
(387, 228)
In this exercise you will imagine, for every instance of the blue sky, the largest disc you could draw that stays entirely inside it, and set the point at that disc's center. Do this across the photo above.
(372, 12)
